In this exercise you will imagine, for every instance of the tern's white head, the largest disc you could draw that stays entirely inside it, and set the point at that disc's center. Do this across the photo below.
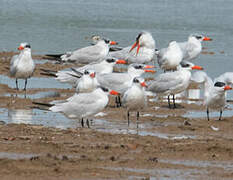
(87, 82)
(106, 42)
(221, 87)
(108, 91)
(23, 46)
(195, 37)
(114, 61)
(139, 69)
(140, 82)
(144, 39)
(96, 38)
(89, 72)
(184, 65)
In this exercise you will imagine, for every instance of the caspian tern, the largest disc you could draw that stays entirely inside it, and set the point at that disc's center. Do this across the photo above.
(171, 83)
(102, 67)
(144, 52)
(88, 54)
(87, 82)
(134, 98)
(96, 38)
(169, 58)
(82, 105)
(215, 98)
(214, 92)
(22, 66)
(121, 81)
(192, 48)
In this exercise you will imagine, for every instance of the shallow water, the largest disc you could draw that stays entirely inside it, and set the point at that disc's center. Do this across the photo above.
(38, 95)
(37, 117)
(165, 173)
(190, 96)
(58, 120)
(100, 123)
(194, 169)
(57, 26)
(16, 156)
(201, 164)
(34, 82)
(228, 112)
(144, 129)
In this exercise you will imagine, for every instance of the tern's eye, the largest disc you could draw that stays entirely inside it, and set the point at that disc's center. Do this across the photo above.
(104, 89)
(110, 60)
(138, 67)
(219, 84)
(28, 46)
(184, 65)
(198, 37)
(86, 72)
(135, 80)
(106, 41)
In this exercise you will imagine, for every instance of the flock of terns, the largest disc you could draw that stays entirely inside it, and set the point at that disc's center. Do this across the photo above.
(96, 80)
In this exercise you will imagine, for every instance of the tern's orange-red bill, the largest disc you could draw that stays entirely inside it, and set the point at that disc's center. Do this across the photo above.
(149, 66)
(113, 43)
(227, 88)
(133, 46)
(20, 48)
(143, 84)
(138, 48)
(121, 61)
(207, 39)
(114, 92)
(92, 75)
(197, 67)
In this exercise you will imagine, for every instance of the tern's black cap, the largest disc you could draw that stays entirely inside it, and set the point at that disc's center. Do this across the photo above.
(219, 84)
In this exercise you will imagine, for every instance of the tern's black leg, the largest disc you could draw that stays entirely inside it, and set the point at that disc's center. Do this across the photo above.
(174, 101)
(168, 100)
(128, 117)
(207, 111)
(220, 117)
(82, 123)
(119, 101)
(116, 101)
(26, 81)
(88, 124)
(16, 82)
(137, 118)
(25, 95)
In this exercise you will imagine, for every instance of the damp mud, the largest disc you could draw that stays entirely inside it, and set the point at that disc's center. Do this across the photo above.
(164, 144)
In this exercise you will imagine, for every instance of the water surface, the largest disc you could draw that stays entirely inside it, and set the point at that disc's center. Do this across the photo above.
(56, 26)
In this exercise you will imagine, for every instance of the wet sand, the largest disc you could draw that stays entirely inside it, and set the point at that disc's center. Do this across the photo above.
(167, 145)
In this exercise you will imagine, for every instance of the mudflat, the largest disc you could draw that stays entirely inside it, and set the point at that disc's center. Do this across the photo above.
(166, 144)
